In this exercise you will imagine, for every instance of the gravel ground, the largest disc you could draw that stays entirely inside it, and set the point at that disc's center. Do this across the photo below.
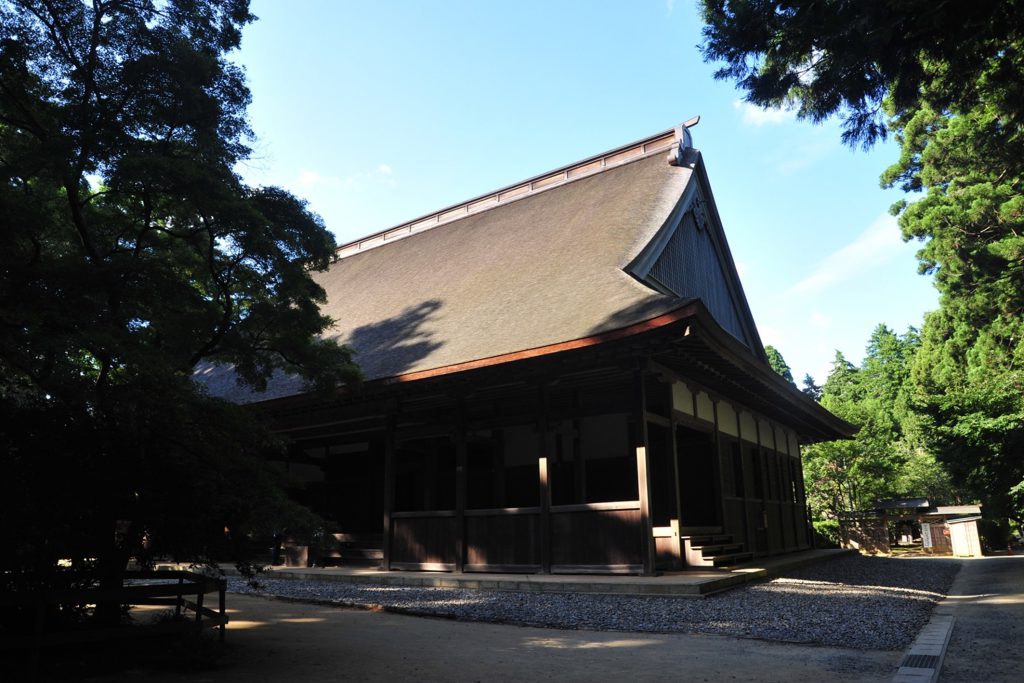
(857, 602)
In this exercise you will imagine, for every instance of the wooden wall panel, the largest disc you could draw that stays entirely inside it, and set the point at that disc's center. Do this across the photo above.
(733, 523)
(596, 537)
(775, 543)
(503, 540)
(757, 533)
(423, 540)
(788, 528)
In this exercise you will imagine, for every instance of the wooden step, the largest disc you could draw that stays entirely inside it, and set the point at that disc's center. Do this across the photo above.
(700, 530)
(361, 554)
(713, 550)
(359, 549)
(710, 540)
(719, 549)
(359, 557)
(729, 559)
(368, 540)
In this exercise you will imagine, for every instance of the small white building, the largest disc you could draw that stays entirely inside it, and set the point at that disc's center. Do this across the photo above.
(963, 535)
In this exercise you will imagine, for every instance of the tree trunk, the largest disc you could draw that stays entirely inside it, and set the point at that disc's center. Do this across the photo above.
(113, 563)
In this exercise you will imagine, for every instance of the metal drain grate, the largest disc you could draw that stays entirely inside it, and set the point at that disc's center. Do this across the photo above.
(920, 661)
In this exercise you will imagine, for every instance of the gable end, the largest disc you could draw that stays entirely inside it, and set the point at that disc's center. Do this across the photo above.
(689, 258)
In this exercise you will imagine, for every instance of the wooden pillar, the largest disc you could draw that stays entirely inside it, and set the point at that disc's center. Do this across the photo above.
(543, 478)
(792, 495)
(389, 489)
(460, 490)
(643, 471)
(765, 486)
(748, 537)
(675, 473)
(545, 515)
(801, 499)
(718, 465)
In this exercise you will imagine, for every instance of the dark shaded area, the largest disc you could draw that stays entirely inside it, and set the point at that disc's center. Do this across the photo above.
(697, 482)
(394, 345)
(658, 304)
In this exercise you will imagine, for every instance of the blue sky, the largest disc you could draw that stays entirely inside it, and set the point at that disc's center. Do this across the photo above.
(377, 113)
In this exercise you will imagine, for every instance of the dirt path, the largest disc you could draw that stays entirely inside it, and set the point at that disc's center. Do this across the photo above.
(280, 641)
(987, 600)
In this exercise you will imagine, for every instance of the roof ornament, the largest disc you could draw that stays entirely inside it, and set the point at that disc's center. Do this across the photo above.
(700, 212)
(678, 153)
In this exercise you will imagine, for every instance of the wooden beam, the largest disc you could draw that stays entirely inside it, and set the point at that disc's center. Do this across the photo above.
(762, 467)
(389, 489)
(643, 472)
(718, 465)
(460, 490)
(544, 480)
(545, 515)
(747, 531)
(678, 487)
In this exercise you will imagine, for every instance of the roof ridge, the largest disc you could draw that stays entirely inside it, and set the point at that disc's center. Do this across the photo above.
(677, 137)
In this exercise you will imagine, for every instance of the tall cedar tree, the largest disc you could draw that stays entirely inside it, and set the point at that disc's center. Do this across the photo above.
(945, 78)
(889, 457)
(779, 364)
(132, 254)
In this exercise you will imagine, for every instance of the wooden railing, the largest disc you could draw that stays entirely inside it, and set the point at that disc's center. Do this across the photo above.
(182, 590)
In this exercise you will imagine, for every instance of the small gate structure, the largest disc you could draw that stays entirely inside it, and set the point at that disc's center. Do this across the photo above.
(963, 536)
(945, 530)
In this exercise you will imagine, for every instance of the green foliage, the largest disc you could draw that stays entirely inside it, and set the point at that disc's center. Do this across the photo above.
(945, 78)
(888, 458)
(779, 364)
(132, 255)
(811, 388)
(969, 376)
(826, 533)
(830, 58)
(995, 534)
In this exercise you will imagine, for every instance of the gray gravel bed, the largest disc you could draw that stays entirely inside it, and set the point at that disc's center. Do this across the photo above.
(857, 602)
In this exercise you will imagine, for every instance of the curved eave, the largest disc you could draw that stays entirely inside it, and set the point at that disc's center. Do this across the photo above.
(657, 323)
(687, 338)
(723, 360)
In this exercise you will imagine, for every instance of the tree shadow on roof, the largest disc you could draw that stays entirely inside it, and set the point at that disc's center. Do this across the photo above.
(397, 344)
(639, 312)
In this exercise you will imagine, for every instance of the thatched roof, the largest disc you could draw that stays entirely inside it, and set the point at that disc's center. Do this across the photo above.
(540, 263)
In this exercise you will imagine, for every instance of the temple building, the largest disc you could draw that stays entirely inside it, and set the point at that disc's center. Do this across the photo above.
(562, 375)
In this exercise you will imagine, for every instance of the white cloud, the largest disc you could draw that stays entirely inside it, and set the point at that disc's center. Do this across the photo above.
(772, 336)
(879, 243)
(756, 116)
(670, 5)
(820, 320)
(309, 178)
(805, 155)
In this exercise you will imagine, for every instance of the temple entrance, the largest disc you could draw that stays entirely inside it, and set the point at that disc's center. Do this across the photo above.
(343, 482)
(698, 481)
(354, 495)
